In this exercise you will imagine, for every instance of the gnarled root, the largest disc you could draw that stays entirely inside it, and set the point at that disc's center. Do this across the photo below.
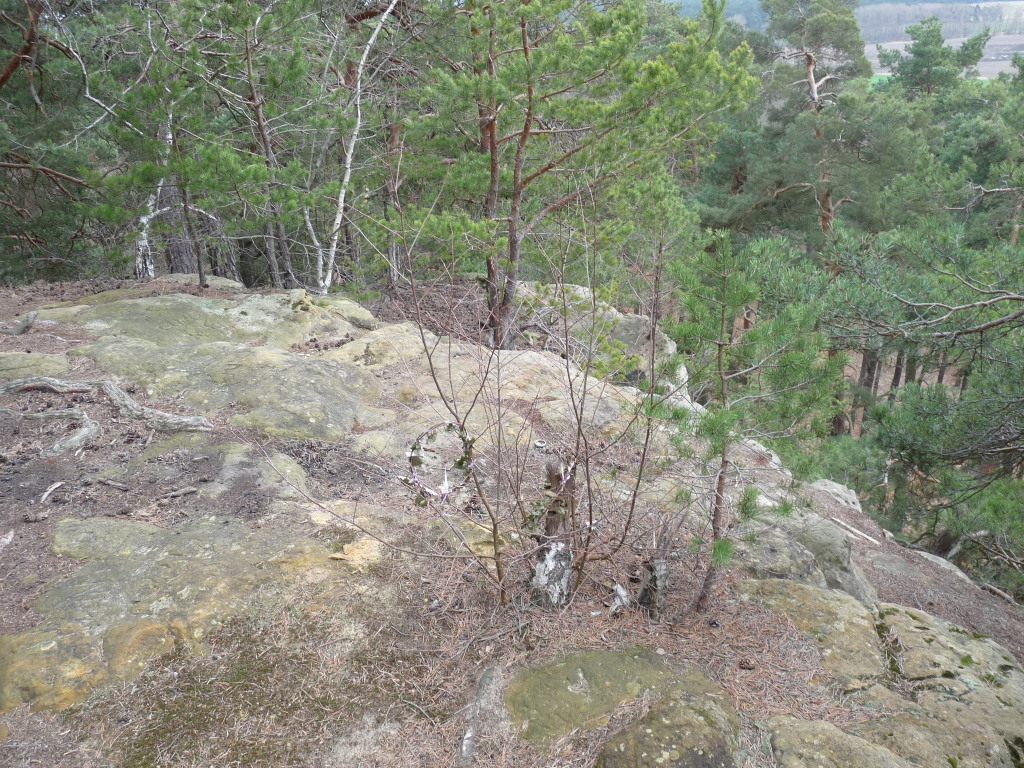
(152, 418)
(73, 442)
(22, 326)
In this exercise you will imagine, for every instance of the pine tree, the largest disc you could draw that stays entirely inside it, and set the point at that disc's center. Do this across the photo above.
(550, 106)
(756, 360)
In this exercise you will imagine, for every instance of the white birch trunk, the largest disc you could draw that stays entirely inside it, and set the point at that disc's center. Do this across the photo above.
(325, 257)
(145, 264)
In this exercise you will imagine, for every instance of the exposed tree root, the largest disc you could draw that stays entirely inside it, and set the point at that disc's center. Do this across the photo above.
(22, 326)
(73, 442)
(159, 420)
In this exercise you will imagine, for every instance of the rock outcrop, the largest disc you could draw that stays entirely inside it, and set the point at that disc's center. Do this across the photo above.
(692, 726)
(300, 371)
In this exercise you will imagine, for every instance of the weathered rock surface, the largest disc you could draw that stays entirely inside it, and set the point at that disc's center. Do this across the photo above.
(842, 626)
(803, 744)
(970, 694)
(839, 492)
(268, 389)
(769, 552)
(278, 319)
(385, 346)
(692, 726)
(18, 365)
(142, 589)
(581, 690)
(549, 312)
(830, 546)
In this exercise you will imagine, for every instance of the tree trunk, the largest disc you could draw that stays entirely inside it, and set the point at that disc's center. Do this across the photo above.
(897, 373)
(654, 586)
(284, 250)
(179, 256)
(700, 604)
(193, 235)
(391, 183)
(941, 376)
(145, 258)
(868, 364)
(912, 372)
(270, 247)
(1015, 229)
(552, 573)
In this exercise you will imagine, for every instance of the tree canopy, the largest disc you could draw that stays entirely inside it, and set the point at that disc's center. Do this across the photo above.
(364, 146)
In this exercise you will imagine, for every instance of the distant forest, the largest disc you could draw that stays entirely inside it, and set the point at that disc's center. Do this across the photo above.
(884, 20)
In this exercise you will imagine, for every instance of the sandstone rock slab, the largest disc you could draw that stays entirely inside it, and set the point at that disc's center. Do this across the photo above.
(815, 744)
(693, 726)
(831, 547)
(142, 589)
(968, 706)
(580, 690)
(268, 389)
(842, 626)
(277, 319)
(19, 365)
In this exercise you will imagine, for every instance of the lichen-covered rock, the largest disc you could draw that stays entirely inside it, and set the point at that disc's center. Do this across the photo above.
(385, 346)
(532, 390)
(268, 389)
(843, 627)
(580, 690)
(932, 648)
(349, 311)
(693, 726)
(815, 744)
(614, 339)
(142, 588)
(830, 545)
(840, 493)
(900, 567)
(969, 705)
(277, 319)
(18, 365)
(191, 278)
(767, 552)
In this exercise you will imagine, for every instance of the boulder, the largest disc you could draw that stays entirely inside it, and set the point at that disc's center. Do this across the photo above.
(693, 726)
(768, 552)
(831, 547)
(581, 690)
(843, 627)
(619, 343)
(385, 346)
(840, 493)
(815, 744)
(212, 281)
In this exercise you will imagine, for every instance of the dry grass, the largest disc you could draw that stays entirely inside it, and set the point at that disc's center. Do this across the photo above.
(33, 740)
